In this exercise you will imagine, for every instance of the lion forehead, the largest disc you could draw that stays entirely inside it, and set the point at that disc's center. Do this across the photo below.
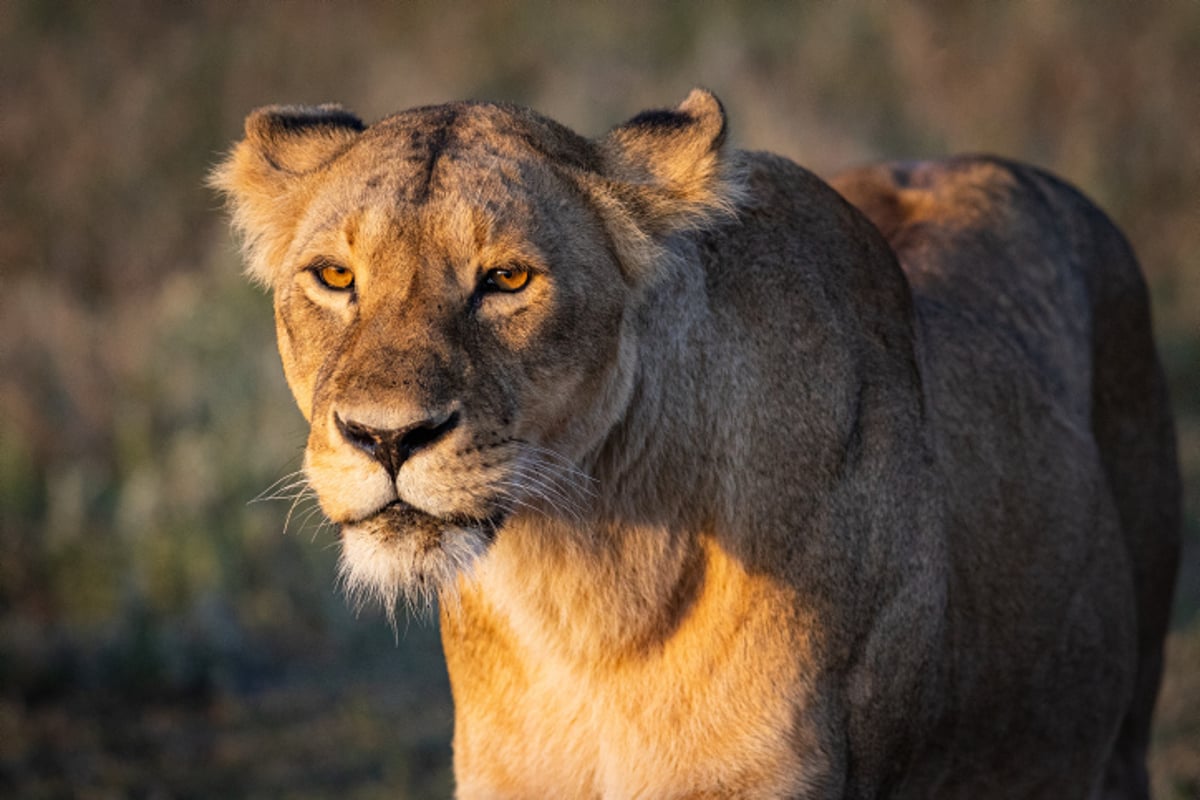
(444, 184)
(415, 153)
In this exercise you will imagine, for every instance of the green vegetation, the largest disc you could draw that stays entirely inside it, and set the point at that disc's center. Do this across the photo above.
(159, 635)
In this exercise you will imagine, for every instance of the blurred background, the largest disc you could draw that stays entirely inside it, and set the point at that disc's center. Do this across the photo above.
(163, 636)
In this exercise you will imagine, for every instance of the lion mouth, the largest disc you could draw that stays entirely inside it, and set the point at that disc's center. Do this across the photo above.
(401, 551)
(398, 517)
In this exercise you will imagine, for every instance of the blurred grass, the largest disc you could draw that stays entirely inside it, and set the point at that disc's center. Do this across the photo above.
(159, 636)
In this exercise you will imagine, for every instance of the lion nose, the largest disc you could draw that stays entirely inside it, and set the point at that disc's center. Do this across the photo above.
(392, 447)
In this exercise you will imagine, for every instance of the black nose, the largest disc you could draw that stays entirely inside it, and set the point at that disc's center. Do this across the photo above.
(392, 447)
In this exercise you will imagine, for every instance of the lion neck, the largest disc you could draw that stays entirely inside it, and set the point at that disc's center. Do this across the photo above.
(620, 579)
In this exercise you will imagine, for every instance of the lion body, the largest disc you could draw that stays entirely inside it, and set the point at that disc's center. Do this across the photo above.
(793, 502)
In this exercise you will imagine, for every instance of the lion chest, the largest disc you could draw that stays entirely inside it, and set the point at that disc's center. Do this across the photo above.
(718, 708)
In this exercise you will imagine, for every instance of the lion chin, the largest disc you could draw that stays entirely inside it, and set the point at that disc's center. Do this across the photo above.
(401, 551)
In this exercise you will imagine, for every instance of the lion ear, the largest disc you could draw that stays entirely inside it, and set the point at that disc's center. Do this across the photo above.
(298, 139)
(262, 174)
(667, 171)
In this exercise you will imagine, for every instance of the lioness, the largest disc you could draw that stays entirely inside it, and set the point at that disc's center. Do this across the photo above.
(728, 488)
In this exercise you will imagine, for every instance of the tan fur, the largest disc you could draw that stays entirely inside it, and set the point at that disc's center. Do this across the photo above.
(736, 497)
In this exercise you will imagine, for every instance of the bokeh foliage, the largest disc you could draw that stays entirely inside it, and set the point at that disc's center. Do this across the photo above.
(161, 636)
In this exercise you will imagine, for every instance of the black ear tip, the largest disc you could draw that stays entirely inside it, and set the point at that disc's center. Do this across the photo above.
(700, 108)
(269, 122)
(660, 118)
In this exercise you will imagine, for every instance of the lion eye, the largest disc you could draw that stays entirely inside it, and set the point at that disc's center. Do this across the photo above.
(507, 279)
(334, 276)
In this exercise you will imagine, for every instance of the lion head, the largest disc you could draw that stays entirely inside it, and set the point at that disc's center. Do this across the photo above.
(453, 288)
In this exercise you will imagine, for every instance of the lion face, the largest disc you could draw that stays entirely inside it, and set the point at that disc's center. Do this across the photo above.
(453, 289)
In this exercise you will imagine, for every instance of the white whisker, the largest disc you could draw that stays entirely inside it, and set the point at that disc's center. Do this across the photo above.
(306, 494)
(561, 464)
(543, 485)
(274, 492)
(556, 504)
(308, 515)
(561, 485)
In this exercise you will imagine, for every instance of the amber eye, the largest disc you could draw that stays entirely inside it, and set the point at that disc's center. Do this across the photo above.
(508, 279)
(334, 276)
